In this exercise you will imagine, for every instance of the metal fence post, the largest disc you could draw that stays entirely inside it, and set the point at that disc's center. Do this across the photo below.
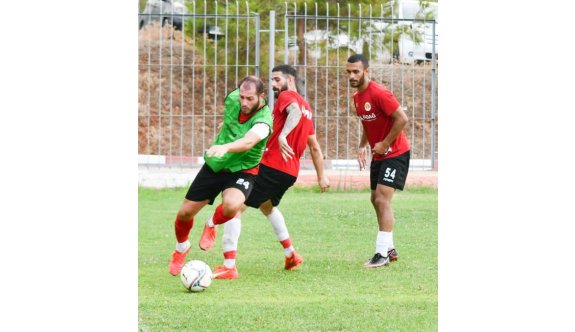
(271, 55)
(257, 46)
(433, 101)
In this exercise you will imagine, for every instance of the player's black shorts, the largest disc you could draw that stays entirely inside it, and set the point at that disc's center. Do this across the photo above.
(208, 184)
(390, 172)
(270, 184)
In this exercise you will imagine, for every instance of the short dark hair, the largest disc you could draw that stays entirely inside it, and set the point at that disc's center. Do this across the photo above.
(285, 69)
(359, 57)
(250, 79)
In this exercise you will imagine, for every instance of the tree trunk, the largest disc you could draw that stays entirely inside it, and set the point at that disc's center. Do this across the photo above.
(301, 56)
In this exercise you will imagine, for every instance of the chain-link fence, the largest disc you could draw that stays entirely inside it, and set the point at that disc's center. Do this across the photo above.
(185, 73)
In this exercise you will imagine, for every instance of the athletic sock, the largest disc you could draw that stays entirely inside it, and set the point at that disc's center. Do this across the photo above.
(230, 238)
(183, 246)
(230, 259)
(288, 248)
(278, 223)
(382, 242)
(210, 222)
(183, 228)
(219, 217)
(231, 235)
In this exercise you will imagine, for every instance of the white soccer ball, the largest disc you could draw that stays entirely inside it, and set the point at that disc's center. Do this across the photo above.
(196, 276)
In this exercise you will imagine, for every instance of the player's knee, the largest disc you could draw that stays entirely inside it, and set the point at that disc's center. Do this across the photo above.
(381, 201)
(184, 214)
(375, 199)
(231, 209)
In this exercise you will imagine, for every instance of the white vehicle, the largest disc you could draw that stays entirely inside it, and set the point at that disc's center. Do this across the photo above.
(411, 25)
(164, 11)
(418, 45)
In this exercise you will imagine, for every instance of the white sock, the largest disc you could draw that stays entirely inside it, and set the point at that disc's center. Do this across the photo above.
(181, 247)
(288, 251)
(391, 245)
(278, 223)
(230, 238)
(210, 222)
(229, 263)
(231, 235)
(382, 242)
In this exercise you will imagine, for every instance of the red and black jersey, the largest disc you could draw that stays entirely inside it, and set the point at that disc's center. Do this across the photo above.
(297, 138)
(374, 107)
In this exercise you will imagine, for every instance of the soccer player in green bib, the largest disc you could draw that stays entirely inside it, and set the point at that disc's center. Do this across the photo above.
(231, 165)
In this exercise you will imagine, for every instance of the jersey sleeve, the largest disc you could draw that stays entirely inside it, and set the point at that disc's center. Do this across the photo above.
(285, 98)
(387, 102)
(262, 130)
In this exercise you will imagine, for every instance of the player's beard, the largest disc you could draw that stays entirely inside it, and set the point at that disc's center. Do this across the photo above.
(253, 109)
(277, 91)
(358, 83)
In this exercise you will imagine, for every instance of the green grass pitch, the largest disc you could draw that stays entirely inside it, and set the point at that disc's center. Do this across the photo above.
(334, 231)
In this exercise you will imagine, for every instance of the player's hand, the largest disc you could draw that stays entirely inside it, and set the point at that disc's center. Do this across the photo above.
(216, 151)
(362, 158)
(323, 183)
(381, 148)
(286, 150)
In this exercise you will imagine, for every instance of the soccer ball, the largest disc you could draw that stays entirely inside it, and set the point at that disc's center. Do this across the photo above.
(196, 276)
